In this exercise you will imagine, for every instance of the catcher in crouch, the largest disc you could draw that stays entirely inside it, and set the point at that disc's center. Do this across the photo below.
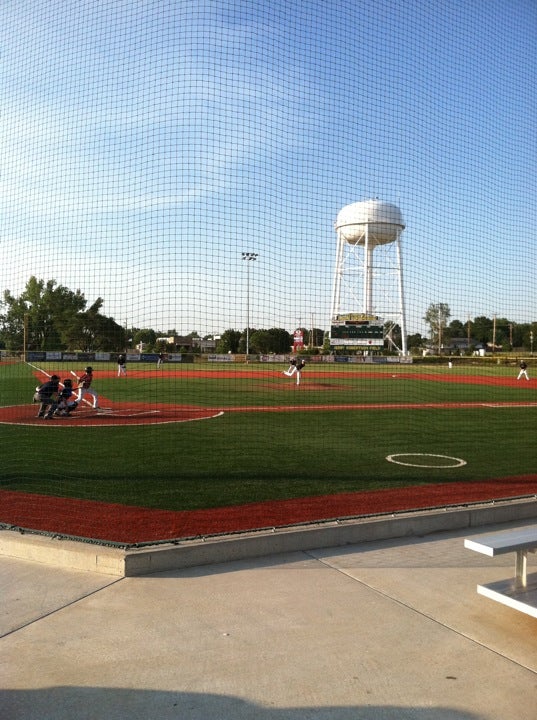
(66, 399)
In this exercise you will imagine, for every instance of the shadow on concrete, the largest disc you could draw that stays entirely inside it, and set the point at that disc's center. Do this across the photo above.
(85, 703)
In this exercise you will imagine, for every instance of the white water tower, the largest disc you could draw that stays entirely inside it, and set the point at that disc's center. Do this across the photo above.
(368, 275)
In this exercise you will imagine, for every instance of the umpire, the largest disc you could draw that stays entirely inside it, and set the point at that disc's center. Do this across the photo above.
(47, 397)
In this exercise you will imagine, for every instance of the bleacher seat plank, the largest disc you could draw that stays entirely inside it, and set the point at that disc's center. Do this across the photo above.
(520, 592)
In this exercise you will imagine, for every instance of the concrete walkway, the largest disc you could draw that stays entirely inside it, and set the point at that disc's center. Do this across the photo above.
(387, 630)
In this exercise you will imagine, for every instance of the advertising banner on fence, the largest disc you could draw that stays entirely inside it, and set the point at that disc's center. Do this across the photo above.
(220, 358)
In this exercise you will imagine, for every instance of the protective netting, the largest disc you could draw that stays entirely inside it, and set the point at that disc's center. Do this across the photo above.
(171, 177)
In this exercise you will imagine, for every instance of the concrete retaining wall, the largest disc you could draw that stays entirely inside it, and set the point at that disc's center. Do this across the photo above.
(171, 556)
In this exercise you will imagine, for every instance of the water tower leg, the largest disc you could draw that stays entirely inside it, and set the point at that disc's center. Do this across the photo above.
(336, 293)
(401, 296)
(368, 275)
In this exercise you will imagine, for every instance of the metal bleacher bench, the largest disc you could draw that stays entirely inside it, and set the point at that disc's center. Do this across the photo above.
(519, 592)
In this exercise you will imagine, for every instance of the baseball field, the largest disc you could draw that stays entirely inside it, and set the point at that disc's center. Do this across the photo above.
(190, 450)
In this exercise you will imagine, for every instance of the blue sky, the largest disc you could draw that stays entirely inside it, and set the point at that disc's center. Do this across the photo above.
(145, 145)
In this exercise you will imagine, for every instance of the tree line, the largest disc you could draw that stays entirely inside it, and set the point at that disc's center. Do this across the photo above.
(496, 332)
(49, 316)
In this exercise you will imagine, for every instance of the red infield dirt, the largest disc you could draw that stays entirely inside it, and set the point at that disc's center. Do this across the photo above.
(112, 413)
(127, 525)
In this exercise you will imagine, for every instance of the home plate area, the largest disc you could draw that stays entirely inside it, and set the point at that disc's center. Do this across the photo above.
(111, 413)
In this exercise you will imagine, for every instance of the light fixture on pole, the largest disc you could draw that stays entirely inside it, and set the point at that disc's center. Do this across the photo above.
(248, 256)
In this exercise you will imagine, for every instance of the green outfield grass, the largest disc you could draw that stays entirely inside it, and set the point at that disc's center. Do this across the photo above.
(251, 456)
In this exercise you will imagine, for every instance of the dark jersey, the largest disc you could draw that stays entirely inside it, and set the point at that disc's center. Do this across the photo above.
(48, 389)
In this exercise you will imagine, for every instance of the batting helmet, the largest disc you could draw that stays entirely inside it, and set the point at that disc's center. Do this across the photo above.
(88, 369)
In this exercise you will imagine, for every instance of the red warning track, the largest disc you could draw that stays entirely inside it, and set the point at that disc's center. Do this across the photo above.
(109, 522)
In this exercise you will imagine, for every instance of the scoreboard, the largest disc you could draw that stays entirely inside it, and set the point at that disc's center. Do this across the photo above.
(357, 330)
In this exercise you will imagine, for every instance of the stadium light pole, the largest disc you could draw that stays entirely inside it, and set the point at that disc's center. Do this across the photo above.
(248, 256)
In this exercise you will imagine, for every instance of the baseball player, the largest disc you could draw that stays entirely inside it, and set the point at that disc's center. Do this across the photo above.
(121, 364)
(46, 395)
(296, 367)
(84, 387)
(523, 371)
(300, 365)
(291, 370)
(66, 401)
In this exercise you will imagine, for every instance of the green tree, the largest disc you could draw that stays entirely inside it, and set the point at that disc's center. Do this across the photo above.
(260, 341)
(281, 340)
(457, 329)
(242, 342)
(56, 318)
(229, 342)
(46, 308)
(317, 335)
(146, 336)
(482, 329)
(531, 337)
(100, 333)
(275, 340)
(436, 317)
(502, 333)
(414, 341)
(519, 335)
